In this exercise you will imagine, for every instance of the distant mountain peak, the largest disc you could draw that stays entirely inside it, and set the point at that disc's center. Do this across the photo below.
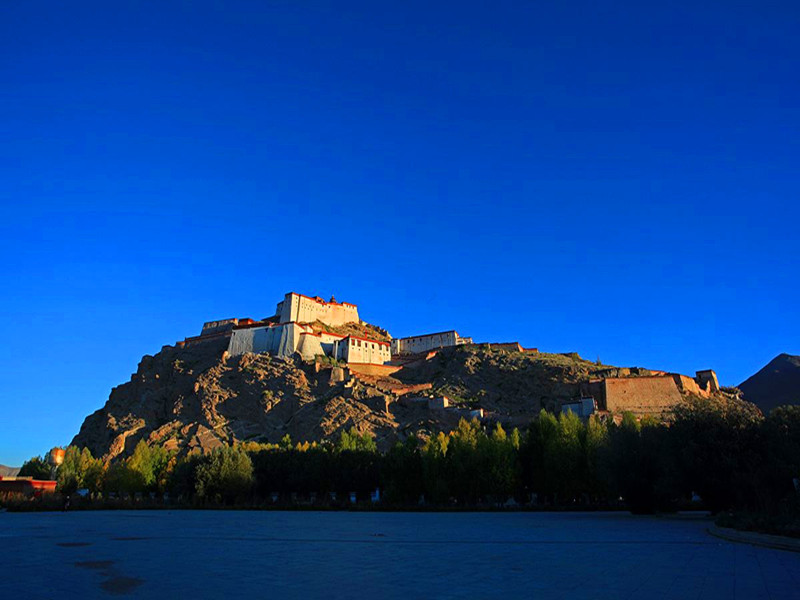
(777, 383)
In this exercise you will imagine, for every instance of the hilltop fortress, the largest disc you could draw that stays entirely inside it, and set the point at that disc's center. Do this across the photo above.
(307, 326)
(297, 308)
(314, 369)
(313, 328)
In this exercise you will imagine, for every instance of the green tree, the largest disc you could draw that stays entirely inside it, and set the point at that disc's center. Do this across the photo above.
(226, 474)
(35, 467)
(181, 477)
(568, 458)
(499, 457)
(781, 448)
(121, 480)
(92, 471)
(148, 467)
(402, 473)
(465, 462)
(718, 451)
(595, 445)
(433, 453)
(539, 472)
(636, 463)
(352, 440)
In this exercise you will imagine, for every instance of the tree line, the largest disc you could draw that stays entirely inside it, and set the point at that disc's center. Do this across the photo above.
(725, 453)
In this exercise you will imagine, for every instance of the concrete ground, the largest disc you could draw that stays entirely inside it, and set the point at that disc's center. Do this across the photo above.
(200, 554)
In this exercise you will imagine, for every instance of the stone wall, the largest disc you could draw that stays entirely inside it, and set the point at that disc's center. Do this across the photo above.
(640, 395)
(373, 369)
(429, 341)
(708, 380)
(211, 327)
(688, 385)
(509, 346)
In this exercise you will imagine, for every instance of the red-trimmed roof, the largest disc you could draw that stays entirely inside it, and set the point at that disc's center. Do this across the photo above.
(321, 301)
(256, 324)
(424, 335)
(321, 333)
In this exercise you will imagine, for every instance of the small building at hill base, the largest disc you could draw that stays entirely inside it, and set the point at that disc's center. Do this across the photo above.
(438, 403)
(583, 407)
(26, 486)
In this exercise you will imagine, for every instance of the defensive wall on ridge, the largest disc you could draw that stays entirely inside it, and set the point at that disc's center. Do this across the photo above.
(429, 341)
(290, 332)
(647, 394)
(640, 395)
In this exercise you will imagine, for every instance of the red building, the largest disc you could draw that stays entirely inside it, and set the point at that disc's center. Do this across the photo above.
(26, 486)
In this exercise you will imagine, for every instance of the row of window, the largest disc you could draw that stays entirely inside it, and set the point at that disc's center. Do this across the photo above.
(425, 338)
(369, 345)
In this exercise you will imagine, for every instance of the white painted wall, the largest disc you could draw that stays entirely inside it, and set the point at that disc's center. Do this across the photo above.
(356, 350)
(423, 343)
(280, 340)
(296, 307)
(288, 338)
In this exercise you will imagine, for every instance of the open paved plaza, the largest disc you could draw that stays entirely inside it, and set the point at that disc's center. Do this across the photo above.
(266, 554)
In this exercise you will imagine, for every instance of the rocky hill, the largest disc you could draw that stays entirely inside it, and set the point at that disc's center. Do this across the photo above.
(776, 384)
(198, 397)
(8, 471)
(194, 396)
(502, 382)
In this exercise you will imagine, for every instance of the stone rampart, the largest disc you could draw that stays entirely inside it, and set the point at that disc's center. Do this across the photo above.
(373, 369)
(640, 395)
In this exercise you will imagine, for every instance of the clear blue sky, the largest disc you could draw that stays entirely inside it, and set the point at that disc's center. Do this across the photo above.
(617, 179)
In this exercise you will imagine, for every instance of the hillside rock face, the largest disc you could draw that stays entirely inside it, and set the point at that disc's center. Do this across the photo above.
(502, 382)
(776, 384)
(197, 397)
(8, 471)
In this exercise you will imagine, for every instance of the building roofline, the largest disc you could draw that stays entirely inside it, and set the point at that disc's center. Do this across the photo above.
(428, 334)
(320, 300)
(363, 339)
(321, 333)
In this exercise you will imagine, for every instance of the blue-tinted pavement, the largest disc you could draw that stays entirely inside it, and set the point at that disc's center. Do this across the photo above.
(200, 554)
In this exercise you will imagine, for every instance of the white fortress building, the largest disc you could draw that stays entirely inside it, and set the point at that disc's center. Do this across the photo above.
(304, 309)
(286, 339)
(291, 332)
(295, 329)
(429, 341)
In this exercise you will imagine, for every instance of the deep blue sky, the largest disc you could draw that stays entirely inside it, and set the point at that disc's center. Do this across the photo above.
(617, 179)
